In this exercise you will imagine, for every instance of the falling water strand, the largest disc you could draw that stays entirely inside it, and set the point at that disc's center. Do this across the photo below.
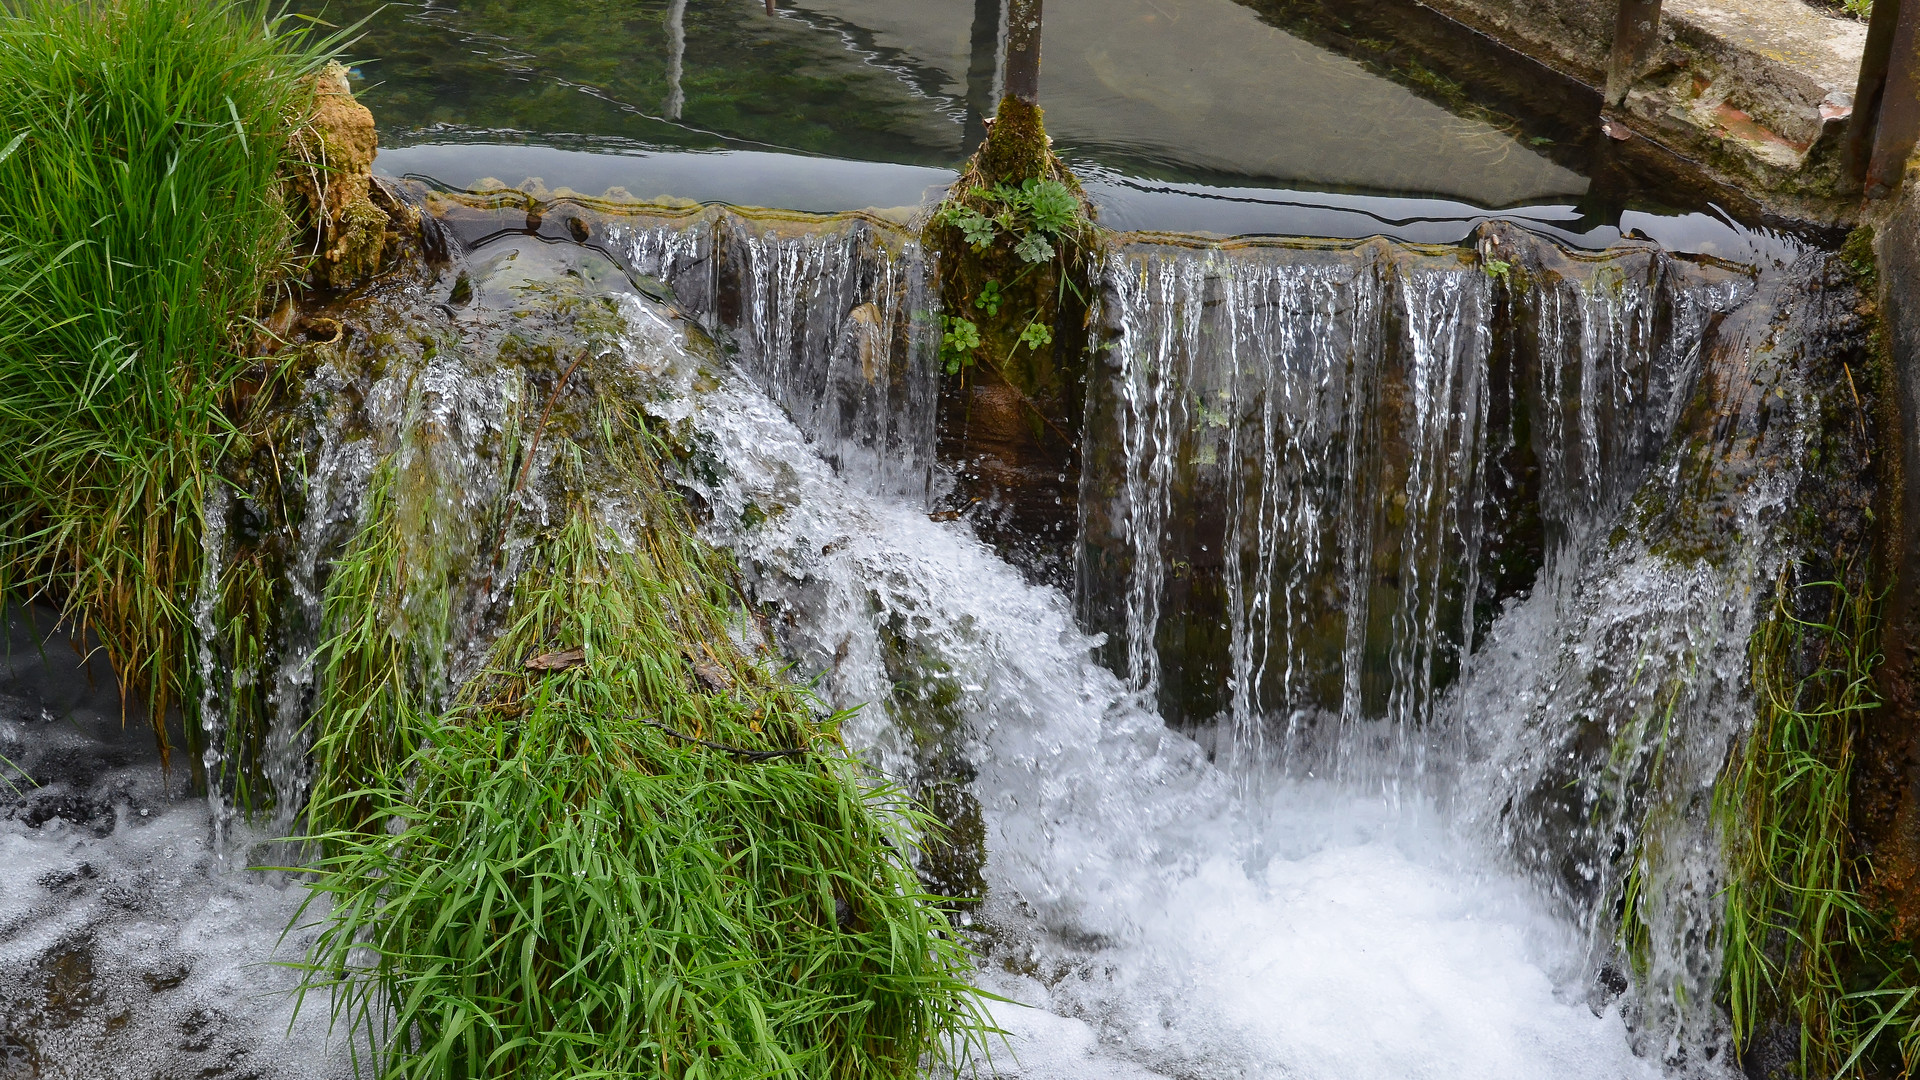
(1314, 428)
(1144, 904)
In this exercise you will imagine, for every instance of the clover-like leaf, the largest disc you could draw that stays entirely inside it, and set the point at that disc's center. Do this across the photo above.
(1033, 248)
(989, 298)
(957, 343)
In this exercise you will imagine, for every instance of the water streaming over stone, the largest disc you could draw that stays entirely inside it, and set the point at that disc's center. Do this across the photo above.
(832, 317)
(1312, 475)
(1165, 919)
(1412, 594)
(1496, 522)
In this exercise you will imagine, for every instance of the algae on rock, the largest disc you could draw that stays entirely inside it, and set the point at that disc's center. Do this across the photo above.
(333, 184)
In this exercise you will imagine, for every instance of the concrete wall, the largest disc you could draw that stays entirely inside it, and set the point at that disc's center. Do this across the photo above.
(1886, 808)
(1570, 35)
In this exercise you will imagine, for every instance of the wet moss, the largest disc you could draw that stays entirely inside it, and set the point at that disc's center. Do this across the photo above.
(1016, 147)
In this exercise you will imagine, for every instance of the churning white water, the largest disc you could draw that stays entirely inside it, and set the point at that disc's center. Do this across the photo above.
(1146, 913)
(128, 947)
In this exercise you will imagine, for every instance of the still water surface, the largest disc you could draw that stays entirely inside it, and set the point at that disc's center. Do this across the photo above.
(1195, 91)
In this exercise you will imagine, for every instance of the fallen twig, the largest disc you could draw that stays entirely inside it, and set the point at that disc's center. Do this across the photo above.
(739, 752)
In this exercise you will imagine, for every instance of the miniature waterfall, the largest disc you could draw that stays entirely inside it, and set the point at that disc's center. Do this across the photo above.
(1412, 588)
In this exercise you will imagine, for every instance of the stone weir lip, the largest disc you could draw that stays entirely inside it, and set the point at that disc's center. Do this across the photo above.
(797, 190)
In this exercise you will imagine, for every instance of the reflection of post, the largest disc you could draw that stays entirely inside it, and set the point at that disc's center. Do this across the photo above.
(1636, 26)
(676, 48)
(1023, 50)
(1886, 102)
(769, 7)
(1897, 127)
(983, 69)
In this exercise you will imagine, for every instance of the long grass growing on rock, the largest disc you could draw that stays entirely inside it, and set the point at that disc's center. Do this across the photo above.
(1799, 938)
(572, 873)
(141, 143)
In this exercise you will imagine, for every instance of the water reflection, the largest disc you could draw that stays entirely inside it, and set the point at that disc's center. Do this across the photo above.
(1182, 90)
(1126, 203)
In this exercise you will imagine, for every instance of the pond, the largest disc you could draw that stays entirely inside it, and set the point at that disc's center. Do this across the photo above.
(1185, 115)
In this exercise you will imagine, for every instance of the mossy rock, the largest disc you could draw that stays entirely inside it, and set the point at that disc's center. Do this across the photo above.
(1053, 294)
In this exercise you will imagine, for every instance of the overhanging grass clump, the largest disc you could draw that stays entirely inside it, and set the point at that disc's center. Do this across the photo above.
(1802, 942)
(557, 880)
(141, 143)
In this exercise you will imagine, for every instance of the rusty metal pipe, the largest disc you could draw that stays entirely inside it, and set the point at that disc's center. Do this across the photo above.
(1857, 152)
(1636, 27)
(1023, 50)
(1896, 121)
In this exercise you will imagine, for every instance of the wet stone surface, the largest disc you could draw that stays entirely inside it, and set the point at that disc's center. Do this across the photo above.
(127, 948)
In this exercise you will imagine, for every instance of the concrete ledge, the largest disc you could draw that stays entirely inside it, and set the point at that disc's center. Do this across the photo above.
(1755, 92)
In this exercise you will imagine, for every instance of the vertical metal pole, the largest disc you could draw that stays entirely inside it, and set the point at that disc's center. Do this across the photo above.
(1857, 153)
(1636, 26)
(1023, 50)
(1897, 126)
(983, 69)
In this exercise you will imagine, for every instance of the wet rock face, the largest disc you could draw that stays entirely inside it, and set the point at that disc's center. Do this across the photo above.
(127, 948)
(1314, 476)
(1887, 784)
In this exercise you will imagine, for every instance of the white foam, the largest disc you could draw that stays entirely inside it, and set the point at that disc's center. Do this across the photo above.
(1164, 919)
(125, 952)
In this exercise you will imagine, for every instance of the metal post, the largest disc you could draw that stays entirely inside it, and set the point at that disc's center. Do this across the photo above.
(1896, 126)
(1857, 153)
(1636, 27)
(1023, 50)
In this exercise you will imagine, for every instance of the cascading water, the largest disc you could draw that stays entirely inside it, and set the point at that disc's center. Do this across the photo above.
(1495, 522)
(1442, 559)
(1312, 476)
(1358, 512)
(1189, 923)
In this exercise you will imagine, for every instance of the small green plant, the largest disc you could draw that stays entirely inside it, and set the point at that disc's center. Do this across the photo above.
(978, 228)
(957, 343)
(989, 299)
(1032, 215)
(1033, 248)
(1023, 230)
(1497, 269)
(1048, 204)
(1036, 334)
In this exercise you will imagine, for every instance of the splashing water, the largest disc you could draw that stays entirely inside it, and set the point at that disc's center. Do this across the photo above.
(1387, 537)
(1161, 915)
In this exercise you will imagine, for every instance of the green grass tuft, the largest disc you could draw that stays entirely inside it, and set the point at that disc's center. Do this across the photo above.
(1799, 941)
(140, 221)
(546, 885)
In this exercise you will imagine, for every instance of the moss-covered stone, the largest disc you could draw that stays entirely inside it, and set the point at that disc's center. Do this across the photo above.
(1016, 147)
(332, 188)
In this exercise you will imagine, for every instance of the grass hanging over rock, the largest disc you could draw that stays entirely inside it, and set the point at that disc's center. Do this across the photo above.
(559, 880)
(1802, 944)
(141, 148)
